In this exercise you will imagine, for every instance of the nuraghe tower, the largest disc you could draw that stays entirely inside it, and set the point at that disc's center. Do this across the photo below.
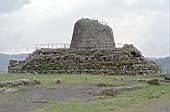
(92, 51)
(90, 34)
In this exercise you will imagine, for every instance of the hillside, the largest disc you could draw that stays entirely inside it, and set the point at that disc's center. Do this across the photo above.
(164, 62)
(4, 59)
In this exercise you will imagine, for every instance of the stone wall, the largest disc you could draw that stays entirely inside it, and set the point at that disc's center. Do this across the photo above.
(90, 34)
(125, 61)
(15, 66)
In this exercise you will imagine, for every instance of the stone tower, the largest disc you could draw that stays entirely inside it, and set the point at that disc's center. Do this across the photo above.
(91, 34)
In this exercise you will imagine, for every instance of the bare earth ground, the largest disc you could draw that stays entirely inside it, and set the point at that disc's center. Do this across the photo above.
(32, 98)
(35, 97)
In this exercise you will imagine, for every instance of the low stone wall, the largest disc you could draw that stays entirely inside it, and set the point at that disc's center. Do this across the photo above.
(20, 83)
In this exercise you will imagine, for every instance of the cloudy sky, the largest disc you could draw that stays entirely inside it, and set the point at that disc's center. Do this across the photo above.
(24, 23)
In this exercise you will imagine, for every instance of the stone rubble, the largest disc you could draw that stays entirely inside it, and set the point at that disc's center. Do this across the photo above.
(7, 90)
(167, 77)
(123, 61)
(20, 82)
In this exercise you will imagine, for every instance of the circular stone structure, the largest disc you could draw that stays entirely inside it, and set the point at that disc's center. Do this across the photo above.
(92, 35)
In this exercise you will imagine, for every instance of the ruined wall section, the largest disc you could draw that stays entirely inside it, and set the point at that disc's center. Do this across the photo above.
(16, 66)
(90, 34)
(125, 61)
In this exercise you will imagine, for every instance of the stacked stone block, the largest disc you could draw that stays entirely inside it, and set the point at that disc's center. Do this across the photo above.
(125, 61)
(90, 34)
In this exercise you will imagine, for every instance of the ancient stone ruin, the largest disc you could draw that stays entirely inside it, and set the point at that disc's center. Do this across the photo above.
(92, 51)
(91, 34)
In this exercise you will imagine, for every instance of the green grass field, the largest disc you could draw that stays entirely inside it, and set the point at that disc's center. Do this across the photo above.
(122, 101)
(76, 78)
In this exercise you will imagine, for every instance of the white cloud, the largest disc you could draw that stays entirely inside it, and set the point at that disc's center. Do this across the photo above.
(144, 23)
(12, 5)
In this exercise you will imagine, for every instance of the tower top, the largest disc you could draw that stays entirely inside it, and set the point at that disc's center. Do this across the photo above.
(90, 34)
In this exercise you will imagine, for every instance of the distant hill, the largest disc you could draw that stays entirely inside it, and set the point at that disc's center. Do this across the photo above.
(4, 59)
(164, 62)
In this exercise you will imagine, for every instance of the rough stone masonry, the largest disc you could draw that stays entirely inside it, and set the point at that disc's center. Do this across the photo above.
(91, 34)
(92, 51)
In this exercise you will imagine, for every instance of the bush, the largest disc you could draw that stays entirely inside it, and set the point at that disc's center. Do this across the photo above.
(154, 82)
(102, 84)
